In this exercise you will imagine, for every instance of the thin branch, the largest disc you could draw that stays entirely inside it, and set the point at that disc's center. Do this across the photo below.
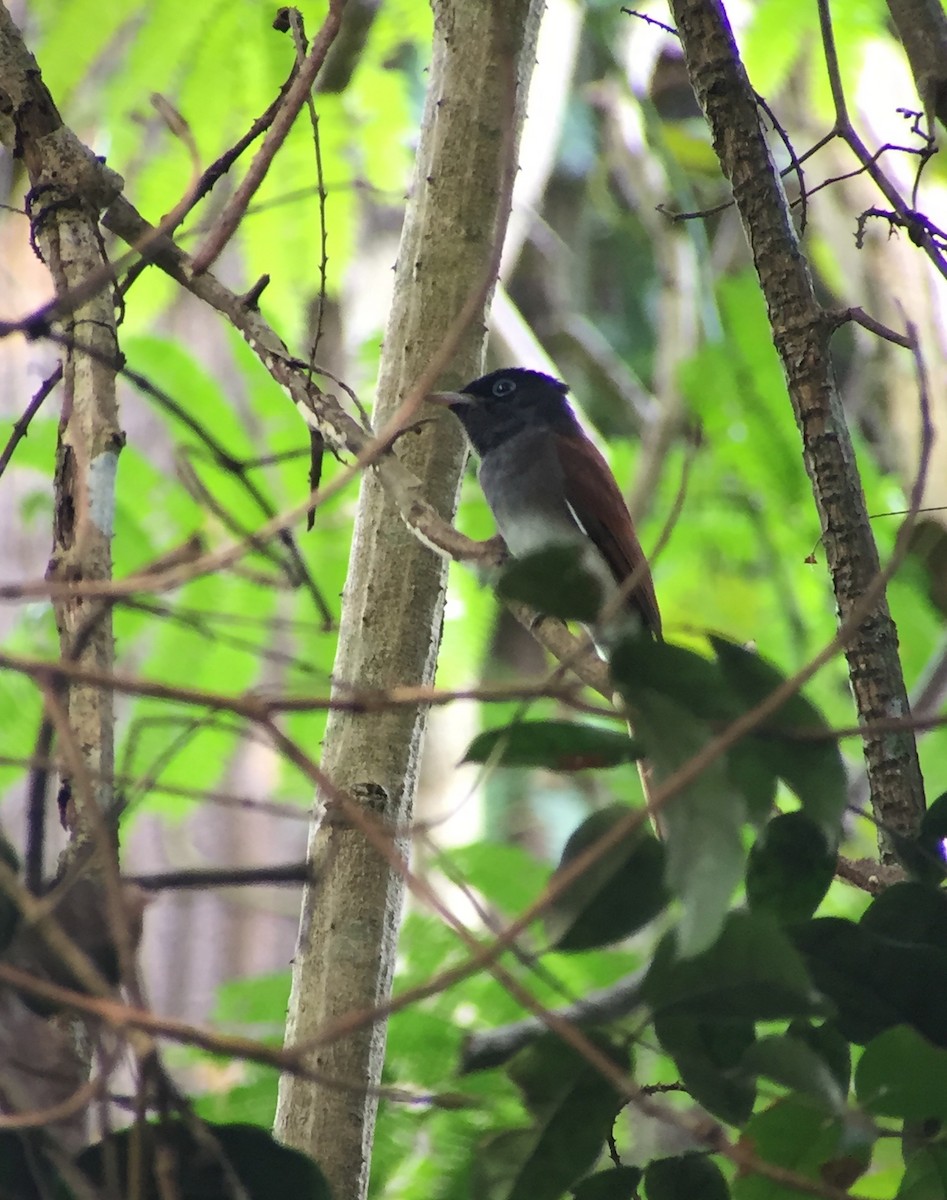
(22, 425)
(289, 109)
(219, 877)
(847, 132)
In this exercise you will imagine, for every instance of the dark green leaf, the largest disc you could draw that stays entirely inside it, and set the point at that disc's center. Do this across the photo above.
(616, 896)
(834, 1050)
(574, 1110)
(685, 1178)
(789, 869)
(751, 971)
(640, 666)
(706, 1055)
(902, 1075)
(21, 1169)
(555, 745)
(617, 1183)
(753, 774)
(790, 1062)
(264, 1167)
(926, 1175)
(550, 1073)
(910, 912)
(875, 982)
(923, 856)
(813, 769)
(553, 581)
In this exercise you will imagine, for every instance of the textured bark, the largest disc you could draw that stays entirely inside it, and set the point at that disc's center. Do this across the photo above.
(801, 332)
(393, 600)
(69, 187)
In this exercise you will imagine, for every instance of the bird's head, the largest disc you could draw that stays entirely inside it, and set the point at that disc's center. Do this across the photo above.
(500, 405)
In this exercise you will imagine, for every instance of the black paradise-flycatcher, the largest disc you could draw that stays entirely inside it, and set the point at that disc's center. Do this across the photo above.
(547, 484)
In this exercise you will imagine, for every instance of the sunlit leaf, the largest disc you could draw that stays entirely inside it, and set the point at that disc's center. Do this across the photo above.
(902, 1075)
(793, 1134)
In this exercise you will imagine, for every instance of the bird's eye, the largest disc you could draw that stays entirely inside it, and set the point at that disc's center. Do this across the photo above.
(503, 387)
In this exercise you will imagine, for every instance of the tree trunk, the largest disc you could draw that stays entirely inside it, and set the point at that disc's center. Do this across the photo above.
(801, 333)
(393, 600)
(69, 188)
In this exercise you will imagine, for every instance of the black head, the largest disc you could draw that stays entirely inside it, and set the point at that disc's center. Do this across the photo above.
(502, 404)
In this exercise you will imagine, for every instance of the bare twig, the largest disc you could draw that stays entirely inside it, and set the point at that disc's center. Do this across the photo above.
(289, 109)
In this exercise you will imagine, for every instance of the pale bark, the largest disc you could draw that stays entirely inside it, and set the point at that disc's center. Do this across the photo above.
(69, 188)
(393, 600)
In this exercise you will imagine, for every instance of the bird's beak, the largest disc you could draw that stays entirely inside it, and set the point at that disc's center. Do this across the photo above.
(446, 399)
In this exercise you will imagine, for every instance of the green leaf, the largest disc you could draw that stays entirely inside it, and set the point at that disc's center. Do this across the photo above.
(751, 971)
(902, 1075)
(834, 1050)
(875, 982)
(685, 1178)
(553, 581)
(574, 1110)
(702, 822)
(791, 1134)
(789, 869)
(707, 1055)
(640, 666)
(614, 897)
(909, 912)
(507, 876)
(555, 745)
(264, 1167)
(789, 1061)
(813, 769)
(617, 1183)
(926, 1175)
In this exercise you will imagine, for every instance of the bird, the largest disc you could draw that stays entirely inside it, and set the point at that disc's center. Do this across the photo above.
(546, 483)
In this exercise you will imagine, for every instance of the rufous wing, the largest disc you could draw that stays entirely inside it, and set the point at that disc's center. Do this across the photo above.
(598, 504)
